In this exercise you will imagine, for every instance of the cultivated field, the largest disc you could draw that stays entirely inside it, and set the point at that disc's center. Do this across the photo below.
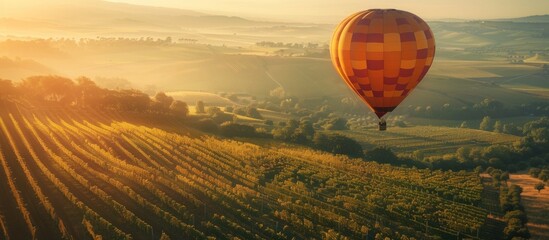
(431, 140)
(536, 205)
(85, 174)
(191, 98)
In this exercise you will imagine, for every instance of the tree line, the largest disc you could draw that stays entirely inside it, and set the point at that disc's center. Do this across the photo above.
(292, 131)
(84, 93)
(530, 151)
(511, 205)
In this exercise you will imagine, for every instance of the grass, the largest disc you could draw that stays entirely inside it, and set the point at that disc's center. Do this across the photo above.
(209, 99)
(538, 91)
(274, 116)
(431, 140)
(471, 123)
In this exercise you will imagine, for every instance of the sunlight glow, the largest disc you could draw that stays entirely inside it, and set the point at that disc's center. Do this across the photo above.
(328, 10)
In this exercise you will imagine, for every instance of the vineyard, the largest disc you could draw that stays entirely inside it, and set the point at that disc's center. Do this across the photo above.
(431, 140)
(68, 174)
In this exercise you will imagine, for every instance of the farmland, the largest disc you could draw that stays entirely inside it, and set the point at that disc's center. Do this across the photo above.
(83, 174)
(125, 121)
(535, 204)
(431, 140)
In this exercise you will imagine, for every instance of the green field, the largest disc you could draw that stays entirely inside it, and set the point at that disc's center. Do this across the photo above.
(210, 99)
(430, 140)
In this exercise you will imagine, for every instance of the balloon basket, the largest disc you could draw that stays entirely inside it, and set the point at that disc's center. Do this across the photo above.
(382, 125)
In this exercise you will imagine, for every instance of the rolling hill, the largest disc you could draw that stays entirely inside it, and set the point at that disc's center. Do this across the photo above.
(197, 67)
(18, 68)
(181, 50)
(530, 19)
(85, 174)
(88, 18)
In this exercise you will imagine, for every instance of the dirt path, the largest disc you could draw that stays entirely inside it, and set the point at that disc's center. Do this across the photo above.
(536, 205)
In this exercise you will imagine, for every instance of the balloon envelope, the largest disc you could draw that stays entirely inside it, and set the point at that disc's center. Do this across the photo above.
(382, 55)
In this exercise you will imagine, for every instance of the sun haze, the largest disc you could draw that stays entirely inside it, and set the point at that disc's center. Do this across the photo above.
(328, 10)
(274, 119)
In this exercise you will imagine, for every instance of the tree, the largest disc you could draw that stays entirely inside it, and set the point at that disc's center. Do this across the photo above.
(240, 111)
(419, 110)
(293, 123)
(299, 137)
(540, 123)
(49, 88)
(400, 123)
(498, 127)
(516, 214)
(486, 124)
(539, 186)
(510, 128)
(200, 107)
(179, 108)
(496, 176)
(252, 112)
(285, 130)
(6, 88)
(515, 228)
(306, 127)
(418, 155)
(534, 172)
(544, 175)
(278, 93)
(463, 154)
(504, 176)
(336, 124)
(213, 110)
(131, 100)
(221, 117)
(90, 93)
(382, 155)
(288, 104)
(338, 144)
(163, 100)
(236, 130)
(540, 135)
(233, 97)
(490, 105)
(282, 133)
(207, 125)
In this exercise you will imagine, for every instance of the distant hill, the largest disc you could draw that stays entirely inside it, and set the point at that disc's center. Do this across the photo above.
(530, 19)
(17, 68)
(219, 53)
(92, 16)
(538, 59)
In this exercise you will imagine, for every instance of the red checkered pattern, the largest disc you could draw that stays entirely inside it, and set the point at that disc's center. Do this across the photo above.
(383, 55)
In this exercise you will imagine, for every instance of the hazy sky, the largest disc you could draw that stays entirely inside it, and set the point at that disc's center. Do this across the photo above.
(330, 10)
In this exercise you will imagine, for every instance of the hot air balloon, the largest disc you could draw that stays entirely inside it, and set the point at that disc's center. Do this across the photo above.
(382, 55)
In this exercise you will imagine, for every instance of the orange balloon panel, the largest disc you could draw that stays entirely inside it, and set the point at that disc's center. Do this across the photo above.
(382, 54)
